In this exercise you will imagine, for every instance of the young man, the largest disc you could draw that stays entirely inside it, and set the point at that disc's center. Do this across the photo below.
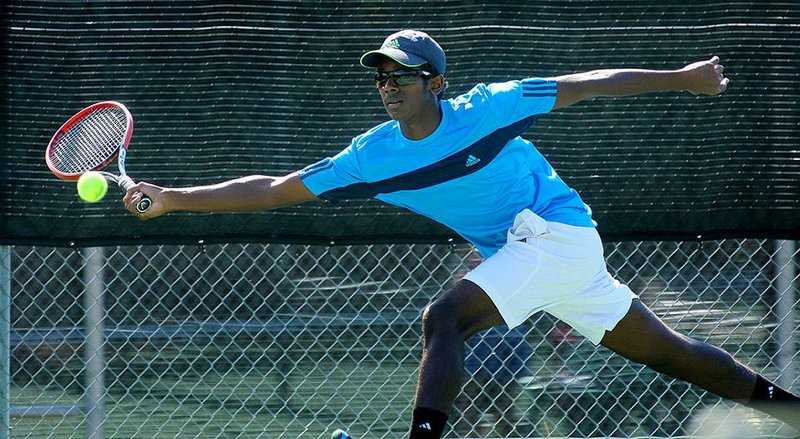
(463, 163)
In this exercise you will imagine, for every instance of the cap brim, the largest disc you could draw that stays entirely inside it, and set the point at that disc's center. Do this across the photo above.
(373, 58)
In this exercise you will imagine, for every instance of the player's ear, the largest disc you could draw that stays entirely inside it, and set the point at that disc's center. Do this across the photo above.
(437, 85)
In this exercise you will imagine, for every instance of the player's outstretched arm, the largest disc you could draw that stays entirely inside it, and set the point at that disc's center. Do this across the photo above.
(246, 194)
(703, 77)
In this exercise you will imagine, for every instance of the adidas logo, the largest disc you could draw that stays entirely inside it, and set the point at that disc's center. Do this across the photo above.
(472, 160)
(425, 426)
(393, 43)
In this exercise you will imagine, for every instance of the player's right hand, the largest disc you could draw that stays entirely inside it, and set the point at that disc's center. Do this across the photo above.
(134, 195)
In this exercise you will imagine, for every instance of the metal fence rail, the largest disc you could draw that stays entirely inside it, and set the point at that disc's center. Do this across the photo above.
(291, 341)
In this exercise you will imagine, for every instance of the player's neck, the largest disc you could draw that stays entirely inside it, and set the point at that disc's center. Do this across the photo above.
(423, 124)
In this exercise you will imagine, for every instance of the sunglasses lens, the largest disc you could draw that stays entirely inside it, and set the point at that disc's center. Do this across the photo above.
(406, 79)
(400, 77)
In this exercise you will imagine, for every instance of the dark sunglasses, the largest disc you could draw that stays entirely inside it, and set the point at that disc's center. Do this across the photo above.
(401, 77)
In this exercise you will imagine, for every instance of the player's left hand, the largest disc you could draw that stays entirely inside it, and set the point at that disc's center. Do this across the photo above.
(705, 77)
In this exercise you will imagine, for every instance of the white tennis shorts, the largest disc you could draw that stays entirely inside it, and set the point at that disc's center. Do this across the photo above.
(553, 267)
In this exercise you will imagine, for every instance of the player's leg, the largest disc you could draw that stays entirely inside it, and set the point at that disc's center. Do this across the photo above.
(459, 314)
(642, 337)
(446, 324)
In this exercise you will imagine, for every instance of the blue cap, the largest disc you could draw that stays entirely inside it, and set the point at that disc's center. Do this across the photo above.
(410, 48)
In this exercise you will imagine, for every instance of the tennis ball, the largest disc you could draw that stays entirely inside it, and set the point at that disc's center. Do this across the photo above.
(92, 187)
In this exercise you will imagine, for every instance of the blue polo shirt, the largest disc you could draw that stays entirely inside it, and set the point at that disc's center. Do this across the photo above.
(473, 174)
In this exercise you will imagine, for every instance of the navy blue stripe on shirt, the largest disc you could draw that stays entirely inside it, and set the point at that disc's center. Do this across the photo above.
(317, 167)
(460, 164)
(538, 88)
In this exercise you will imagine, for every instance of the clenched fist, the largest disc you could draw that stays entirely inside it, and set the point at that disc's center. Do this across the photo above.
(705, 77)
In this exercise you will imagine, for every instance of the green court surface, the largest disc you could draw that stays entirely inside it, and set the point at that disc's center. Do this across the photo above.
(234, 405)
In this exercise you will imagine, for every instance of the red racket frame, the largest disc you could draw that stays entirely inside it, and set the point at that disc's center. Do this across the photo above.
(74, 121)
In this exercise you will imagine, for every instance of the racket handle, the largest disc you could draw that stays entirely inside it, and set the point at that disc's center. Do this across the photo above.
(144, 204)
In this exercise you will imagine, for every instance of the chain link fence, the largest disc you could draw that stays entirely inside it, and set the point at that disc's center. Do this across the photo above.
(291, 341)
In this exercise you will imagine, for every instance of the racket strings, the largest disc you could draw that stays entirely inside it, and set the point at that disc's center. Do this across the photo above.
(91, 142)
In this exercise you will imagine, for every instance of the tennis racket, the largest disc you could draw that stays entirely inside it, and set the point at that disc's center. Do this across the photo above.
(90, 141)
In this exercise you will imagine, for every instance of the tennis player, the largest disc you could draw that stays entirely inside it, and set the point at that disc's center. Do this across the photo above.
(462, 162)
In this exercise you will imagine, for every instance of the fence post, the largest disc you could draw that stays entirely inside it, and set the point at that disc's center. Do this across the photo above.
(785, 310)
(93, 355)
(5, 345)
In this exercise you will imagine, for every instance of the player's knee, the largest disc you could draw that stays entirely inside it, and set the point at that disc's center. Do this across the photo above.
(711, 360)
(458, 314)
(438, 319)
(689, 358)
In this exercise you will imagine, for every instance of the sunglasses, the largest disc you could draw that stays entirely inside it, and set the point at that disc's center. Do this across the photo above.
(401, 77)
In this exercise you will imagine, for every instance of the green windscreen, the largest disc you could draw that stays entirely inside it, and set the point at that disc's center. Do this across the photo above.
(220, 90)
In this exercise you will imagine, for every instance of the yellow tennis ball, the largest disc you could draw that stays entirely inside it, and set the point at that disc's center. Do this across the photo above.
(92, 186)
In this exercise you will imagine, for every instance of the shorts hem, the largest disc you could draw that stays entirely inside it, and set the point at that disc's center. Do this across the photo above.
(618, 317)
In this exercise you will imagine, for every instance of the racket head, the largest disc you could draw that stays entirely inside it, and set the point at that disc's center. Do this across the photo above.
(90, 140)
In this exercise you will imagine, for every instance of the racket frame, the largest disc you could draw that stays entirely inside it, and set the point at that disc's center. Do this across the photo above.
(120, 153)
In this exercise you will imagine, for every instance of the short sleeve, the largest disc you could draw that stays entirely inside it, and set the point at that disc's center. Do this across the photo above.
(330, 174)
(516, 100)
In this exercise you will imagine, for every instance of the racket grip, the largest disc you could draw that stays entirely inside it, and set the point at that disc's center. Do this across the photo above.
(144, 204)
